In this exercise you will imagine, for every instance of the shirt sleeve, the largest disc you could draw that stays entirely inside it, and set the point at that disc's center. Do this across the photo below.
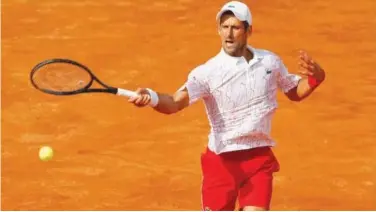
(286, 81)
(196, 84)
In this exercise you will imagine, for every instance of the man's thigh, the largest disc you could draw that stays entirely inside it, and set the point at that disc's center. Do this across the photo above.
(219, 189)
(256, 189)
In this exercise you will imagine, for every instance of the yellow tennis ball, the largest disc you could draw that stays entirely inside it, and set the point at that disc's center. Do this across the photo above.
(46, 153)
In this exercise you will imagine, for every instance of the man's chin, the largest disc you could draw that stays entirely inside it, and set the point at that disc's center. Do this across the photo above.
(230, 51)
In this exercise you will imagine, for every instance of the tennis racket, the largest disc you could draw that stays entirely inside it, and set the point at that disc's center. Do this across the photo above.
(67, 77)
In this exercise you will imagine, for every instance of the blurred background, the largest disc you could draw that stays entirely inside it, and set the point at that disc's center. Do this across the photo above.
(110, 155)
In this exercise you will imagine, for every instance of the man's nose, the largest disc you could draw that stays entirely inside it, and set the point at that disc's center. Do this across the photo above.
(229, 33)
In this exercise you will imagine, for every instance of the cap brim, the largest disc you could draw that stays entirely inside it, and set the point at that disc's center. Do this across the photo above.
(237, 15)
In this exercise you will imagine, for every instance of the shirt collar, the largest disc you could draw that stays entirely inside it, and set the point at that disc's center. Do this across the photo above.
(238, 60)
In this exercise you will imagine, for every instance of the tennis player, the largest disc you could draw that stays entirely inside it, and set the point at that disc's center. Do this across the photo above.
(239, 87)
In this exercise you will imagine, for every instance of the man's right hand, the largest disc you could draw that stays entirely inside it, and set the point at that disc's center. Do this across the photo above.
(143, 98)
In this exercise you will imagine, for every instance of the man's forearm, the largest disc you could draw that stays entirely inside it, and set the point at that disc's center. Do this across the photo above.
(302, 90)
(166, 104)
(169, 104)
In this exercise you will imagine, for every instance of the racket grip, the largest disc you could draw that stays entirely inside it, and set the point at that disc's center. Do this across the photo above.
(127, 93)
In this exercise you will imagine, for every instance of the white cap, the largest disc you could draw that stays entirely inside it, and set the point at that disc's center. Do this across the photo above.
(240, 10)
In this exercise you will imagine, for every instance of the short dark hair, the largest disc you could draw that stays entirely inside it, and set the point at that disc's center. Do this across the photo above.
(229, 12)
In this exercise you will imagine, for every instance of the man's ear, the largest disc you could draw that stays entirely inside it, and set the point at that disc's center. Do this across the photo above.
(250, 30)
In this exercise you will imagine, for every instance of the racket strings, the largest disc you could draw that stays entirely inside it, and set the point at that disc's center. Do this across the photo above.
(61, 77)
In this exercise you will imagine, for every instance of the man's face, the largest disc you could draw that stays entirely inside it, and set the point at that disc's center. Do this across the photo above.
(233, 34)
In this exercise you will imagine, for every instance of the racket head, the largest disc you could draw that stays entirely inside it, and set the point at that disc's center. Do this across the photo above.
(60, 76)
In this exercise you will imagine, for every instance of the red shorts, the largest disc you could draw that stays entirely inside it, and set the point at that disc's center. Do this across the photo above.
(246, 175)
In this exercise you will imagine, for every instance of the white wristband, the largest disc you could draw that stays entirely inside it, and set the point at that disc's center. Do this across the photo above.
(154, 97)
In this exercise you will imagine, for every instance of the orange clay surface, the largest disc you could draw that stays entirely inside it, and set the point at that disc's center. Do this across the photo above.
(110, 155)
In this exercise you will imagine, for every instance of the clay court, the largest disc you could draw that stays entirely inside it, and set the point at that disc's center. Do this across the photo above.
(110, 155)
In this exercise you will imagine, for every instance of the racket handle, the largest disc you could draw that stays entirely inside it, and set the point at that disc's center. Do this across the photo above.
(127, 93)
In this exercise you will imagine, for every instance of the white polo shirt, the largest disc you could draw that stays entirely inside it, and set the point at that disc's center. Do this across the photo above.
(240, 97)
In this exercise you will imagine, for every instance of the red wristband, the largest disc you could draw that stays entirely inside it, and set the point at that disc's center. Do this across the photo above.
(313, 82)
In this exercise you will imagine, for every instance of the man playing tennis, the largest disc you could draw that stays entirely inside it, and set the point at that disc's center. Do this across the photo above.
(239, 87)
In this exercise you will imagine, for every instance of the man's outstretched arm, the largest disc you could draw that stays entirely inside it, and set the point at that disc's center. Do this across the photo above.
(163, 103)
